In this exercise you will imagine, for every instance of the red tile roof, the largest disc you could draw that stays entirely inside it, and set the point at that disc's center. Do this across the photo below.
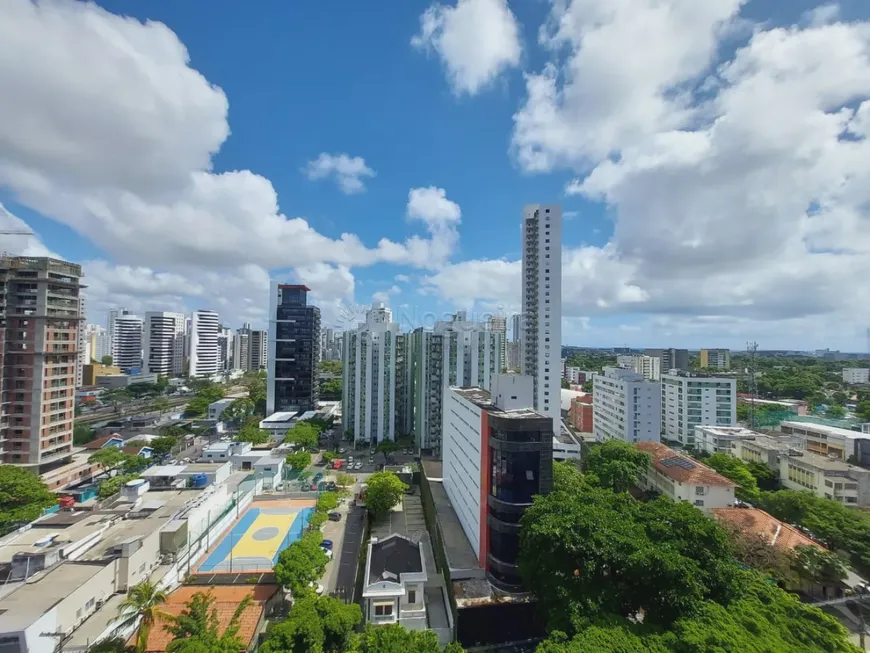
(753, 520)
(687, 471)
(226, 600)
(99, 443)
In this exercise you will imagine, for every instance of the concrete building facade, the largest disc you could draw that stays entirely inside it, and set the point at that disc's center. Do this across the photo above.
(690, 400)
(715, 359)
(294, 349)
(856, 375)
(626, 406)
(204, 349)
(541, 348)
(671, 359)
(164, 343)
(127, 343)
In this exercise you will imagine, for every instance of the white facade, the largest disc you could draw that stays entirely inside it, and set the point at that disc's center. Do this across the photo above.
(241, 357)
(626, 407)
(541, 349)
(722, 439)
(369, 376)
(164, 343)
(825, 477)
(458, 353)
(83, 350)
(498, 324)
(259, 350)
(114, 314)
(204, 349)
(856, 375)
(379, 314)
(127, 342)
(225, 349)
(694, 400)
(649, 367)
(461, 456)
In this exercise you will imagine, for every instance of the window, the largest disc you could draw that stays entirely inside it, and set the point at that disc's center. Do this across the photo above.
(699, 489)
(412, 596)
(699, 502)
(383, 609)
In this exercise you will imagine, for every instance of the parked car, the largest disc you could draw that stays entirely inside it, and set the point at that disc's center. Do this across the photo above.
(335, 516)
(371, 461)
(322, 486)
(337, 464)
(326, 544)
(342, 450)
(313, 487)
(279, 487)
(358, 466)
(331, 486)
(304, 488)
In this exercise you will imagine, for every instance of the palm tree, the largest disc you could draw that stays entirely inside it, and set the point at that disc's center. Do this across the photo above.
(143, 600)
(197, 628)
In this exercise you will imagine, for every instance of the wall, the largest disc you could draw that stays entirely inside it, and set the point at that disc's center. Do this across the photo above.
(131, 570)
(461, 449)
(99, 588)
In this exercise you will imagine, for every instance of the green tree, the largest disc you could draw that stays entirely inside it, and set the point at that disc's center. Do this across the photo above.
(766, 479)
(255, 383)
(736, 470)
(315, 625)
(299, 460)
(113, 485)
(835, 411)
(329, 456)
(331, 389)
(818, 565)
(116, 397)
(106, 360)
(384, 490)
(208, 394)
(345, 480)
(566, 384)
(301, 563)
(393, 638)
(82, 434)
(143, 600)
(587, 386)
(240, 411)
(862, 410)
(251, 432)
(160, 404)
(318, 518)
(840, 398)
(23, 497)
(330, 367)
(327, 501)
(172, 431)
(197, 629)
(617, 465)
(303, 435)
(112, 645)
(163, 445)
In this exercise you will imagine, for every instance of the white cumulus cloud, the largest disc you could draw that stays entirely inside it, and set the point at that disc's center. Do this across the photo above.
(348, 171)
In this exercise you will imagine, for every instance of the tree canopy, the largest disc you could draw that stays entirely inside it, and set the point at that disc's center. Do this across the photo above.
(208, 394)
(301, 563)
(299, 460)
(393, 638)
(303, 435)
(197, 628)
(736, 470)
(251, 432)
(595, 559)
(316, 624)
(23, 497)
(384, 491)
(616, 464)
(239, 411)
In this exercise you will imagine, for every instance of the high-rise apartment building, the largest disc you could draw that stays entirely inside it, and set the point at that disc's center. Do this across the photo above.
(498, 454)
(164, 343)
(671, 359)
(330, 344)
(379, 314)
(99, 343)
(541, 348)
(649, 367)
(127, 343)
(626, 406)
(294, 343)
(498, 324)
(718, 359)
(114, 314)
(225, 349)
(456, 352)
(204, 349)
(242, 349)
(690, 400)
(258, 346)
(370, 357)
(40, 318)
(83, 357)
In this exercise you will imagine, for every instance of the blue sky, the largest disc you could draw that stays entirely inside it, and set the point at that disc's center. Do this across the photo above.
(659, 250)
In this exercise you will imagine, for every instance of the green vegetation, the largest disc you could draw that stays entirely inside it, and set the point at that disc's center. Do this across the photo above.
(835, 412)
(299, 460)
(255, 383)
(113, 485)
(393, 638)
(595, 559)
(316, 624)
(143, 600)
(106, 360)
(329, 456)
(616, 465)
(345, 480)
(838, 527)
(23, 497)
(330, 367)
(82, 434)
(587, 386)
(384, 490)
(251, 432)
(592, 362)
(197, 628)
(113, 458)
(736, 470)
(330, 390)
(163, 445)
(208, 393)
(304, 434)
(301, 563)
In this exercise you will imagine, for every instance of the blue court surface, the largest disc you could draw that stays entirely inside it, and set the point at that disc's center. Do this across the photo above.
(257, 539)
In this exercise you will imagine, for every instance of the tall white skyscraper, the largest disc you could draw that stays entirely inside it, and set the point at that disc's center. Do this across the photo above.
(204, 348)
(127, 342)
(541, 346)
(114, 314)
(690, 400)
(164, 343)
(225, 349)
(369, 374)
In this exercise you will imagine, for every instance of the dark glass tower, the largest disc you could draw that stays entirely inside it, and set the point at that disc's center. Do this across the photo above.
(294, 344)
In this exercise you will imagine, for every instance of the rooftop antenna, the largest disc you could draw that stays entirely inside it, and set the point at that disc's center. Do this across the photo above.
(751, 349)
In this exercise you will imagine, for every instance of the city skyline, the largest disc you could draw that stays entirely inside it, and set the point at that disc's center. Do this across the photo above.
(412, 197)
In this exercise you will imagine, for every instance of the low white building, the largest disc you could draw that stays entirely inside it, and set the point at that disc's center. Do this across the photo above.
(831, 441)
(626, 407)
(763, 449)
(721, 439)
(270, 469)
(856, 375)
(395, 580)
(216, 409)
(681, 478)
(224, 450)
(277, 424)
(825, 477)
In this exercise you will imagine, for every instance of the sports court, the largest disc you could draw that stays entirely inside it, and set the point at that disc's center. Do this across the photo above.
(258, 537)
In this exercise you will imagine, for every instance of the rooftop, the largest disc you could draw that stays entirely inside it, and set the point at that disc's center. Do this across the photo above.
(483, 399)
(824, 463)
(728, 431)
(757, 522)
(393, 556)
(163, 470)
(226, 601)
(279, 418)
(682, 468)
(825, 429)
(29, 601)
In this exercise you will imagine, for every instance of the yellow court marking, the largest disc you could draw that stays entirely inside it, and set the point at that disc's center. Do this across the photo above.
(247, 546)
